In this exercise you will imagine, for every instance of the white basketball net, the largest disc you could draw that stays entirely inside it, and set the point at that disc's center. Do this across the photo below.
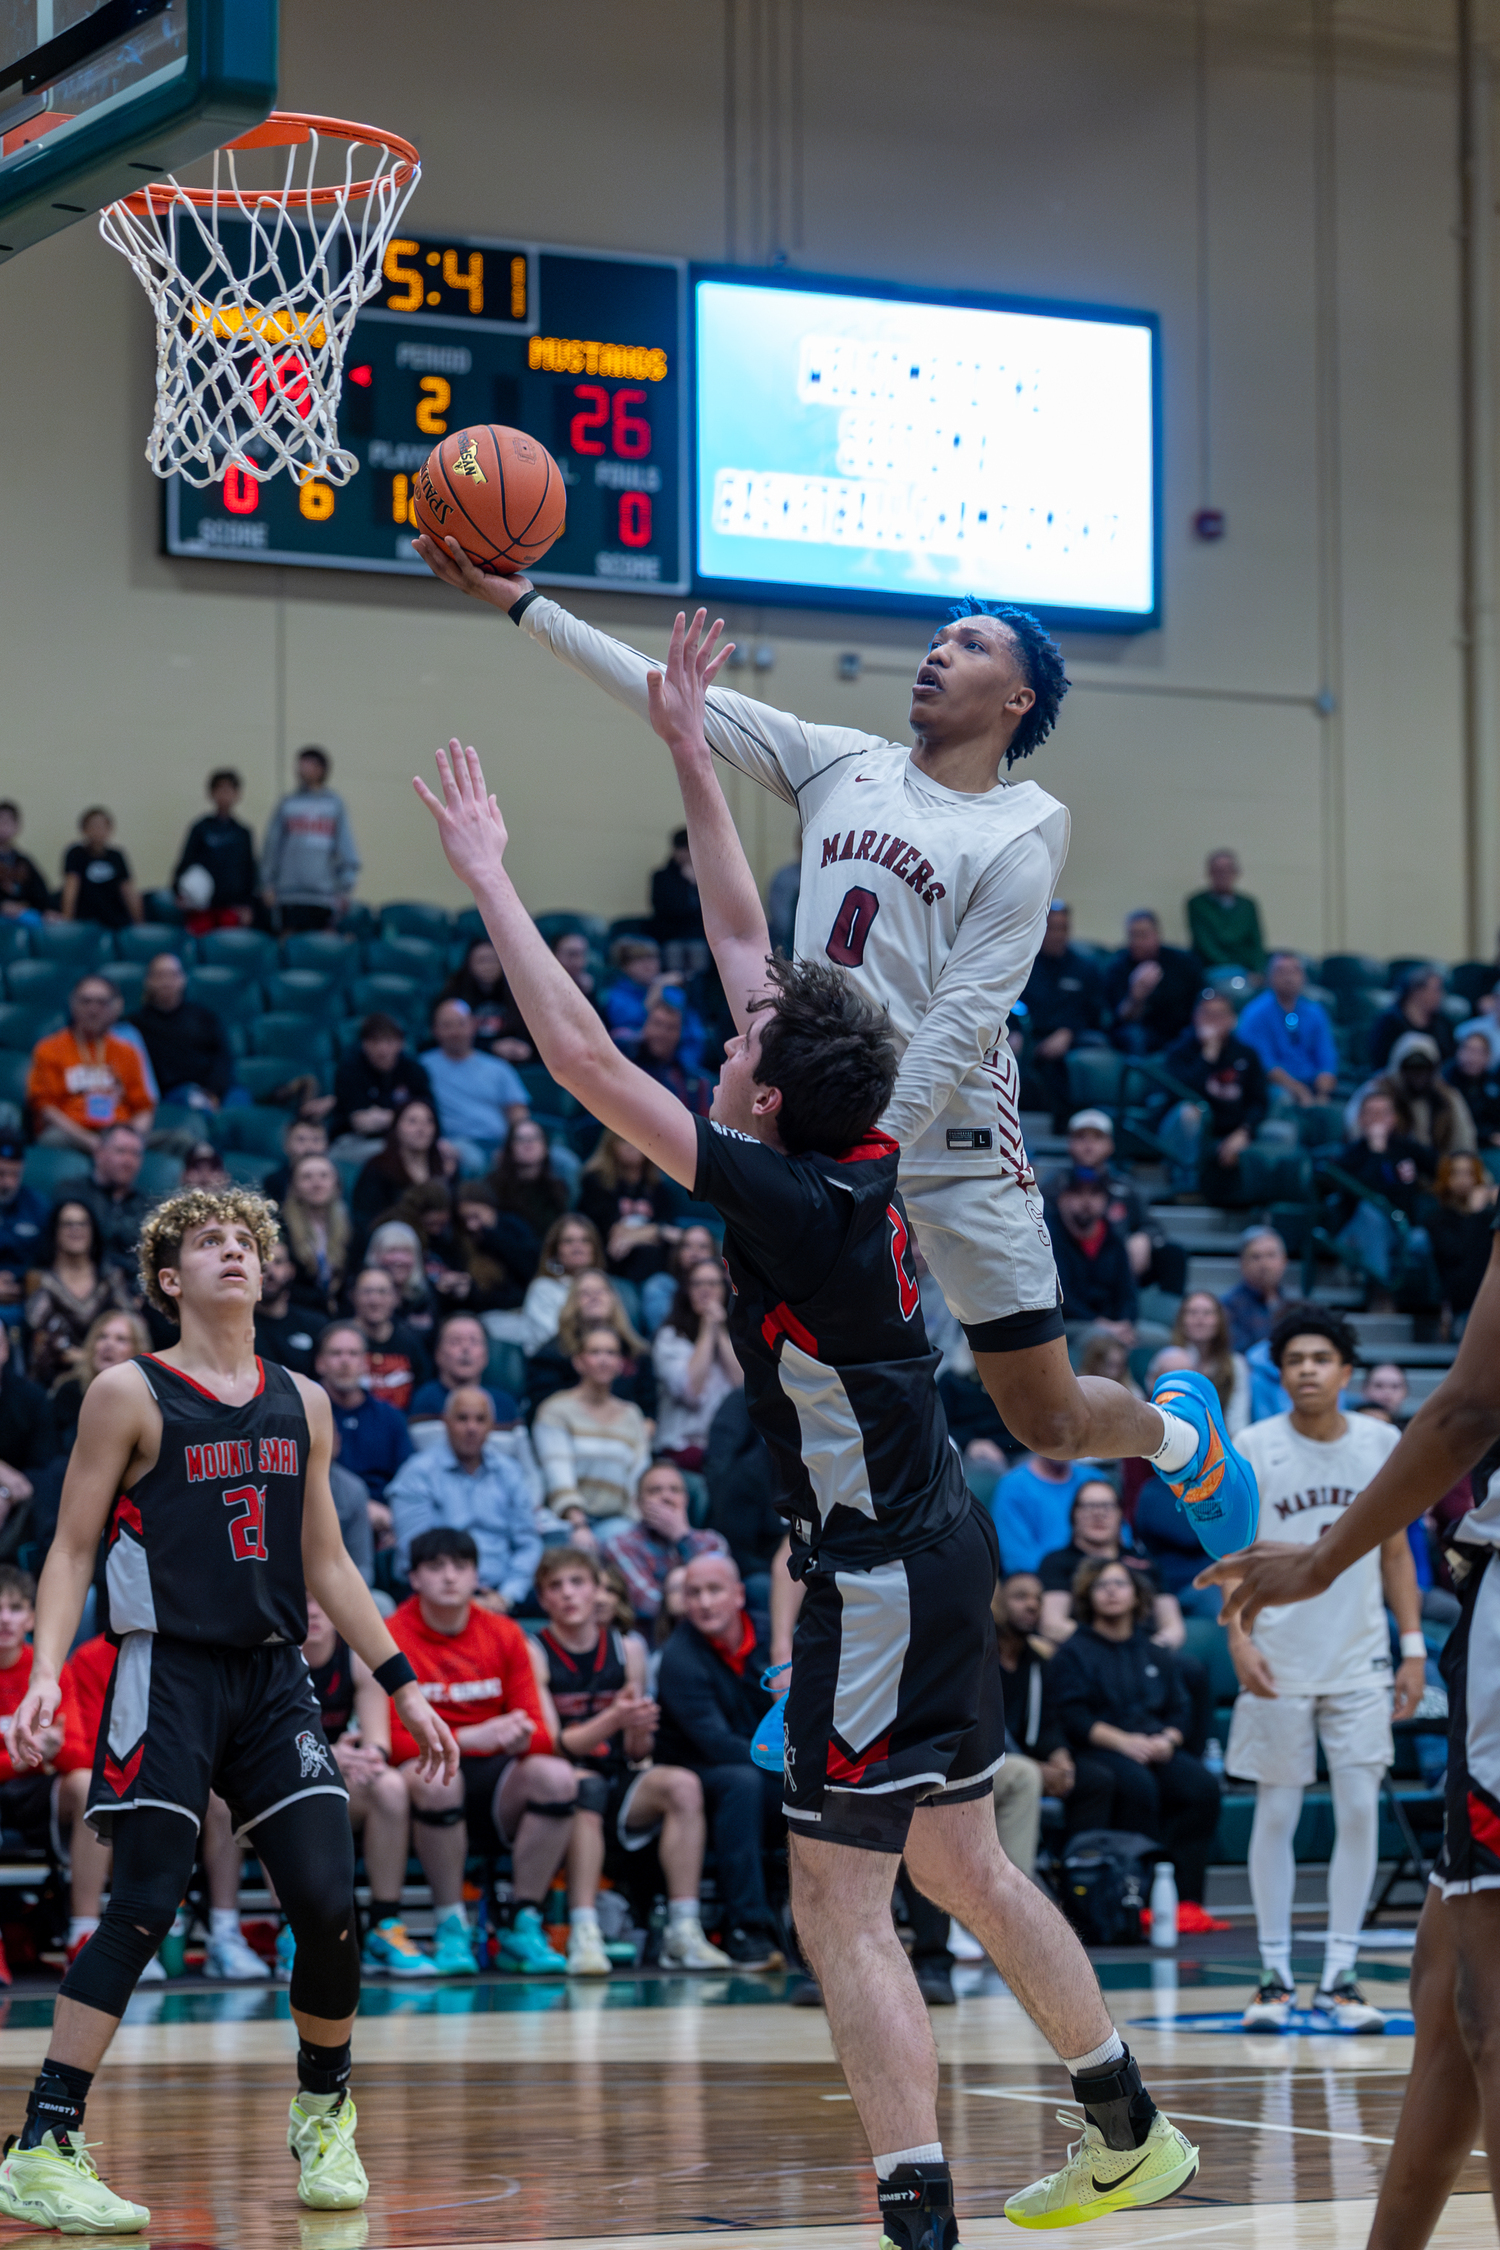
(251, 335)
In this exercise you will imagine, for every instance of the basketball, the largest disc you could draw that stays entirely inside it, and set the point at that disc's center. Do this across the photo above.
(497, 491)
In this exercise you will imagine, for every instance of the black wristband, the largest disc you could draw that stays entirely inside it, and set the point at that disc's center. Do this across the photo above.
(519, 608)
(395, 1672)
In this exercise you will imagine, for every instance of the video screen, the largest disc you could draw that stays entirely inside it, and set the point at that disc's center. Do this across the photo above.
(878, 451)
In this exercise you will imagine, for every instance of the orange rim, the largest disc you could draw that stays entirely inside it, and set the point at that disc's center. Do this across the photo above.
(286, 128)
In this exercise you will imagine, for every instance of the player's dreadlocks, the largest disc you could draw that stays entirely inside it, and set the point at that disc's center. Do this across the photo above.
(1041, 661)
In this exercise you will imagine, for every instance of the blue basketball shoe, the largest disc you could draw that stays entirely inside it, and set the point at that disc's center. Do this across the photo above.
(1217, 1491)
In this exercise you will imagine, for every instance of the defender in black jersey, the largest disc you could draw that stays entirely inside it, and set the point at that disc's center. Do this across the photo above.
(211, 1470)
(889, 1746)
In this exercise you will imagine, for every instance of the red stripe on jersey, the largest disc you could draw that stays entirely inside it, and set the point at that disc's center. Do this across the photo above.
(784, 1322)
(203, 1389)
(853, 1770)
(126, 1512)
(1484, 1826)
(873, 1144)
(121, 1777)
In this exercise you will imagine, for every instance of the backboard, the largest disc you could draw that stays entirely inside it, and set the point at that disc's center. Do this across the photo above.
(97, 99)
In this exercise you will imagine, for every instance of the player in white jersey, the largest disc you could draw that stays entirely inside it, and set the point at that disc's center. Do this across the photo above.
(927, 878)
(1320, 1672)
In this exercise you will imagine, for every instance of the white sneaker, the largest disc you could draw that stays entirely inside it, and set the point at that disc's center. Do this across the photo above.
(685, 1947)
(586, 1954)
(232, 1961)
(1345, 2008)
(1271, 2009)
(153, 1972)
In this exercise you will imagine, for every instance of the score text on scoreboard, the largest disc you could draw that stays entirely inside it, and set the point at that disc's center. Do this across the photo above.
(583, 349)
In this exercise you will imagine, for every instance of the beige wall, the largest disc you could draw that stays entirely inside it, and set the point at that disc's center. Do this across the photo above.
(1027, 145)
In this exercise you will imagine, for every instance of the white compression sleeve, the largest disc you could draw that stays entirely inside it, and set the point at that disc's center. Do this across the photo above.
(1351, 1870)
(1273, 1873)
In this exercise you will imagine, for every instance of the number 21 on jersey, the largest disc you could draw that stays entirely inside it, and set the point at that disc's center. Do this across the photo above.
(247, 1529)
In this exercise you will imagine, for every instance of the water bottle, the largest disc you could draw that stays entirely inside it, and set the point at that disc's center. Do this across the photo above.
(1164, 1906)
(1213, 1757)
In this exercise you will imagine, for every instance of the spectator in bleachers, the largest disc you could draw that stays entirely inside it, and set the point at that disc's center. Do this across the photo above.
(604, 1720)
(1418, 1007)
(1206, 1138)
(460, 1358)
(498, 1024)
(676, 909)
(695, 1365)
(112, 1339)
(1475, 1074)
(373, 1084)
(592, 1446)
(1149, 988)
(113, 1193)
(711, 1704)
(186, 1042)
(1461, 1223)
(1093, 1264)
(1153, 1258)
(693, 1243)
(203, 1167)
(225, 848)
(395, 1249)
(412, 1154)
(373, 1438)
(395, 1358)
(662, 1055)
(1202, 1325)
(97, 886)
(315, 1221)
(1099, 1534)
(459, 1485)
(633, 1206)
(571, 1247)
(1223, 921)
(1037, 1757)
(1064, 1003)
(309, 861)
(1256, 1302)
(87, 1078)
(1396, 1168)
(524, 1181)
(472, 1252)
(1123, 1705)
(637, 965)
(571, 948)
(1291, 1034)
(73, 1284)
(475, 1668)
(593, 1302)
(301, 1136)
(23, 887)
(1428, 1109)
(479, 1097)
(1385, 1385)
(23, 1216)
(660, 1540)
(28, 1435)
(1032, 1507)
(285, 1333)
(742, 1496)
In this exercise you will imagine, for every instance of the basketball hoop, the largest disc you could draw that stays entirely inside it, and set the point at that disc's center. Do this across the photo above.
(250, 335)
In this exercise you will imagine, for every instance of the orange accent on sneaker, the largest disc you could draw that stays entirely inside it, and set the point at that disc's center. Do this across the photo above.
(1211, 1475)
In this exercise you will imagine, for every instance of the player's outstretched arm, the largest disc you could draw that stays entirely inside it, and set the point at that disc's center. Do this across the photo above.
(570, 1038)
(119, 1419)
(344, 1597)
(734, 920)
(1445, 1438)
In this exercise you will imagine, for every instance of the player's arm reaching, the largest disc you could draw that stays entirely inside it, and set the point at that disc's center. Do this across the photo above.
(1447, 1435)
(345, 1599)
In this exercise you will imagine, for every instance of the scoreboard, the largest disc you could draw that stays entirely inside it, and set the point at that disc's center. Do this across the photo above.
(583, 349)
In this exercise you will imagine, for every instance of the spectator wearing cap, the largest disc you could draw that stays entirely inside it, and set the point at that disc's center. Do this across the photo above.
(23, 1220)
(1064, 1005)
(376, 1078)
(1223, 921)
(185, 1041)
(1153, 1258)
(1291, 1034)
(1418, 1007)
(1256, 1303)
(1149, 988)
(478, 1097)
(1428, 1109)
(85, 1079)
(1206, 1137)
(1093, 1264)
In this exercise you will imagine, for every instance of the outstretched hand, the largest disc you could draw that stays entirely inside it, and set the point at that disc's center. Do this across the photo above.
(447, 560)
(468, 819)
(679, 696)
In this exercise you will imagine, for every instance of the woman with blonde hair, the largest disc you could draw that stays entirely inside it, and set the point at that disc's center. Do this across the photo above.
(592, 1302)
(1202, 1328)
(113, 1338)
(315, 1221)
(572, 1246)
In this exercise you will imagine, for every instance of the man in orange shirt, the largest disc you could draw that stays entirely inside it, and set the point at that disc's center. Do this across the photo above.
(475, 1668)
(83, 1080)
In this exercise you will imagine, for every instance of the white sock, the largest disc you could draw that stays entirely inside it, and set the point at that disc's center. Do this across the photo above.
(930, 2152)
(1179, 1444)
(583, 1917)
(457, 1911)
(1276, 1960)
(682, 1910)
(1272, 1869)
(1339, 1954)
(1351, 1869)
(1097, 2058)
(224, 1922)
(82, 1925)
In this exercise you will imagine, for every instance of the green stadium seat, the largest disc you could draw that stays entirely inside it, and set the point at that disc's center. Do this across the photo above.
(162, 906)
(231, 992)
(295, 1038)
(159, 1173)
(413, 918)
(1270, 1173)
(80, 945)
(41, 984)
(1209, 1642)
(1319, 1124)
(507, 1369)
(46, 1169)
(15, 1070)
(331, 954)
(401, 997)
(1094, 1078)
(553, 926)
(1404, 963)
(249, 952)
(627, 925)
(144, 940)
(261, 1075)
(249, 1129)
(407, 957)
(240, 1164)
(1471, 980)
(128, 979)
(24, 1023)
(546, 1097)
(1234, 985)
(15, 941)
(180, 1117)
(302, 992)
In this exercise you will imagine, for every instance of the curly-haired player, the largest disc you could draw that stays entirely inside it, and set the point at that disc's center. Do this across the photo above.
(926, 877)
(211, 1470)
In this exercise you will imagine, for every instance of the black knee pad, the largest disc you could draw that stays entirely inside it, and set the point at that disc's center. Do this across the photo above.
(325, 1973)
(593, 1796)
(448, 1819)
(108, 1969)
(547, 1810)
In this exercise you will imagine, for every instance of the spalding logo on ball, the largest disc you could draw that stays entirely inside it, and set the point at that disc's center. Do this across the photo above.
(494, 490)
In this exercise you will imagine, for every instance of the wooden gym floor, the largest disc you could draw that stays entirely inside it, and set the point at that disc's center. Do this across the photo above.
(679, 2112)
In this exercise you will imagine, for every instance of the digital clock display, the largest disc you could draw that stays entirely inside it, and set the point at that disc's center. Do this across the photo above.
(581, 349)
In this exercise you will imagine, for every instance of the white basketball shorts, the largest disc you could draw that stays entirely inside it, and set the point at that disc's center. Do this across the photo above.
(1276, 1741)
(986, 1240)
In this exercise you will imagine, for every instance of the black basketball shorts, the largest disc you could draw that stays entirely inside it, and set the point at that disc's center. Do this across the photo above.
(182, 1719)
(896, 1697)
(1469, 1857)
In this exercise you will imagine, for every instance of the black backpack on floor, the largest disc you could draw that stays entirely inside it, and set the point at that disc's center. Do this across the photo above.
(1106, 1884)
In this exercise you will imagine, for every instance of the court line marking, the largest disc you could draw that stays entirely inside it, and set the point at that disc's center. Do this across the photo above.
(1200, 2117)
